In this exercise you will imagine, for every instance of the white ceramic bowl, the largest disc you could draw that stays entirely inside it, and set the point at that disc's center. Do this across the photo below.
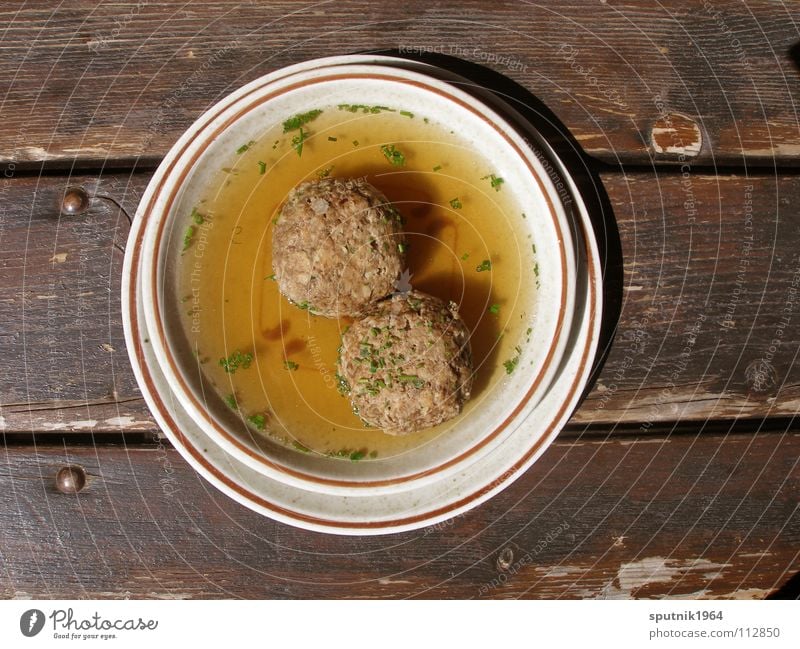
(245, 115)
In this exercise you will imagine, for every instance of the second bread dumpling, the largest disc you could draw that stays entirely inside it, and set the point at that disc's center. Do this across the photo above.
(407, 363)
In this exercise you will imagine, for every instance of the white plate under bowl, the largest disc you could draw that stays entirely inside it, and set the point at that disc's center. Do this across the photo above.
(427, 505)
(182, 178)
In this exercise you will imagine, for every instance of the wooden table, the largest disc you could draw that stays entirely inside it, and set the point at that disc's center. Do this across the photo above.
(677, 476)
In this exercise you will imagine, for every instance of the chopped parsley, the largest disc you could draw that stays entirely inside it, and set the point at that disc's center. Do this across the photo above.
(484, 265)
(290, 365)
(297, 142)
(402, 247)
(231, 401)
(536, 269)
(271, 277)
(407, 113)
(511, 364)
(363, 108)
(393, 155)
(342, 384)
(437, 167)
(332, 139)
(197, 217)
(188, 237)
(355, 142)
(494, 181)
(413, 379)
(301, 119)
(259, 421)
(298, 446)
(236, 360)
(494, 309)
(355, 456)
(465, 256)
(245, 147)
(262, 167)
(324, 173)
(456, 204)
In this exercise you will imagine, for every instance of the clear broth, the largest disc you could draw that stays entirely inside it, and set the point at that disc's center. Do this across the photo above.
(290, 392)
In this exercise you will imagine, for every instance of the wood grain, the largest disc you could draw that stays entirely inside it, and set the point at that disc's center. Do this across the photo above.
(700, 516)
(91, 83)
(708, 324)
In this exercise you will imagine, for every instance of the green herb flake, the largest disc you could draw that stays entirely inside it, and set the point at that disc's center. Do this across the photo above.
(402, 247)
(231, 401)
(259, 421)
(486, 264)
(301, 119)
(290, 365)
(355, 456)
(536, 269)
(324, 173)
(373, 454)
(262, 167)
(465, 256)
(342, 384)
(236, 360)
(245, 147)
(437, 167)
(393, 155)
(494, 181)
(425, 119)
(413, 379)
(355, 142)
(363, 108)
(297, 142)
(456, 204)
(198, 218)
(299, 447)
(407, 113)
(188, 237)
(332, 139)
(511, 364)
(494, 309)
(270, 277)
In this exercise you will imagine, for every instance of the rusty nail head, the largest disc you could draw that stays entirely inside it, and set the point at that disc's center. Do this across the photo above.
(70, 479)
(75, 201)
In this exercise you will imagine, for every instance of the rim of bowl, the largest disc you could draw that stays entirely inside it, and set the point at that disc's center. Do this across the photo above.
(168, 184)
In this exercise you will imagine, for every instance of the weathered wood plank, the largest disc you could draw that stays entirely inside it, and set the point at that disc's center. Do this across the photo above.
(700, 516)
(93, 82)
(708, 325)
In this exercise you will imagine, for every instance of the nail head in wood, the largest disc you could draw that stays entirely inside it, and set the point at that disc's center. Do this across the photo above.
(70, 479)
(75, 201)
(505, 559)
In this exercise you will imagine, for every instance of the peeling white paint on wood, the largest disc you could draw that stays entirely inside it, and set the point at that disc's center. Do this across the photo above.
(125, 421)
(634, 575)
(80, 424)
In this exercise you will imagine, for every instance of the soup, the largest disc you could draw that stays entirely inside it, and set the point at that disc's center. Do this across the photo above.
(274, 363)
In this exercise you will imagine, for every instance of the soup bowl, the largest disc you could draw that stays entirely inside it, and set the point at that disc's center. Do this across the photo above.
(547, 290)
